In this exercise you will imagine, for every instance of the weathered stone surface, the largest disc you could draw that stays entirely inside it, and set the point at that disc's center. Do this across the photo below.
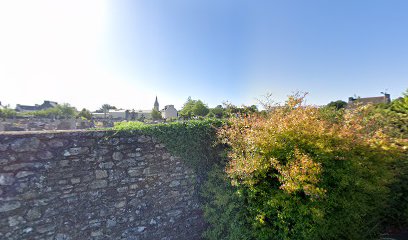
(25, 144)
(6, 179)
(18, 166)
(117, 156)
(33, 214)
(174, 183)
(75, 180)
(56, 143)
(22, 174)
(106, 165)
(134, 172)
(9, 206)
(99, 184)
(15, 220)
(76, 151)
(3, 147)
(45, 155)
(101, 174)
(94, 185)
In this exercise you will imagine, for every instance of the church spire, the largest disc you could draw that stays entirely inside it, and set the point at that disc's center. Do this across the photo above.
(156, 105)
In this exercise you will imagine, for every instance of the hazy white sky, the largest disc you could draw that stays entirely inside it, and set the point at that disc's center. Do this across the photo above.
(52, 50)
(125, 52)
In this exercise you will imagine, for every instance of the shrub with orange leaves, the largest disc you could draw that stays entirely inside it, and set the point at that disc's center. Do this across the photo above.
(306, 173)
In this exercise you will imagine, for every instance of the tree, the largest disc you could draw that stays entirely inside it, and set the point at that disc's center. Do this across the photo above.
(105, 108)
(156, 115)
(400, 105)
(194, 108)
(217, 112)
(7, 113)
(85, 113)
(187, 110)
(200, 109)
(339, 104)
(66, 111)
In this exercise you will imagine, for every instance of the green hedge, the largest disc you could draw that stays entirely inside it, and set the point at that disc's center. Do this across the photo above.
(194, 141)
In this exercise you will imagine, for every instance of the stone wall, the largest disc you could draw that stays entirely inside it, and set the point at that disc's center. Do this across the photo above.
(39, 124)
(94, 185)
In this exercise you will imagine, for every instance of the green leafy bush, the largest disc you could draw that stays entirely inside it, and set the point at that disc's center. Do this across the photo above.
(302, 173)
(7, 113)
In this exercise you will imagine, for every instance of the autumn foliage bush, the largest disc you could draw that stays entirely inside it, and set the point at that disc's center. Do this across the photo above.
(302, 172)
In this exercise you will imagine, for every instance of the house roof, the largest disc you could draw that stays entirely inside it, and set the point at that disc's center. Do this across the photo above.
(373, 100)
(45, 105)
(27, 108)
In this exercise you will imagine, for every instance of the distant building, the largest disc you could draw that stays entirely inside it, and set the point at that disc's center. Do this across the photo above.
(169, 112)
(115, 114)
(124, 114)
(156, 105)
(27, 108)
(370, 100)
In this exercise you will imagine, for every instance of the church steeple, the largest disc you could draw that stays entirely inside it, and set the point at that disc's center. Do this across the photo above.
(156, 105)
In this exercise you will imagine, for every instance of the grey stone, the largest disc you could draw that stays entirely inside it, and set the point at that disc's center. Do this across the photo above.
(27, 230)
(96, 233)
(174, 213)
(76, 151)
(122, 189)
(33, 214)
(99, 184)
(166, 156)
(56, 143)
(64, 163)
(6, 179)
(140, 193)
(134, 172)
(3, 147)
(174, 183)
(18, 166)
(117, 156)
(160, 145)
(45, 155)
(101, 174)
(45, 228)
(9, 206)
(62, 182)
(146, 171)
(113, 141)
(61, 236)
(141, 229)
(15, 220)
(120, 204)
(22, 174)
(143, 139)
(25, 144)
(110, 223)
(106, 165)
(75, 180)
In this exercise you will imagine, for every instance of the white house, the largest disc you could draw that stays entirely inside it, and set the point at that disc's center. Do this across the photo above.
(169, 112)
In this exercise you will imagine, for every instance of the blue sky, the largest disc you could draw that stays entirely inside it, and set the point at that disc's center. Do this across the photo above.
(125, 52)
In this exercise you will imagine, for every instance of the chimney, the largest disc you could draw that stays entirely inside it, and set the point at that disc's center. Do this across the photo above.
(387, 98)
